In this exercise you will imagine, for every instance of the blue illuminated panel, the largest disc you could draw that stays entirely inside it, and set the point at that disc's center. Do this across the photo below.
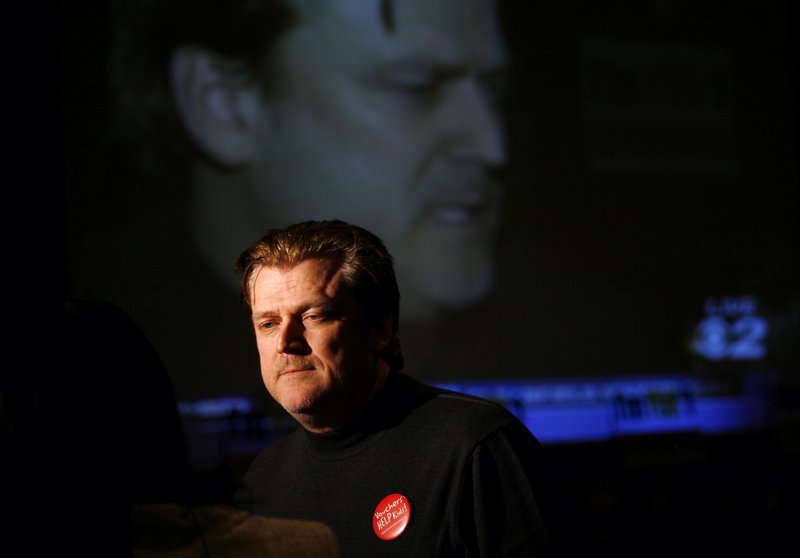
(597, 410)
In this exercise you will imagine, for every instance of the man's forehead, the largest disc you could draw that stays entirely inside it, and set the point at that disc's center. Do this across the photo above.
(449, 30)
(313, 273)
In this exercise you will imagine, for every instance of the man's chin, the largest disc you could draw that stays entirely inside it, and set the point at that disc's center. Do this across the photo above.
(297, 401)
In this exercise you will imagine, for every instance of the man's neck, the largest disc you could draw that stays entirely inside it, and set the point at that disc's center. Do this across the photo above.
(335, 420)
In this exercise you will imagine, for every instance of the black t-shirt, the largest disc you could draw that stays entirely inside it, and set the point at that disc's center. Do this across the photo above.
(475, 477)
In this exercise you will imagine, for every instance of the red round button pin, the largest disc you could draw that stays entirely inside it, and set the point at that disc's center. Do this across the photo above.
(391, 517)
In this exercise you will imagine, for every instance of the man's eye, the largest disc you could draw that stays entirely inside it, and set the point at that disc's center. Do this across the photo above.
(414, 84)
(267, 325)
(417, 87)
(320, 318)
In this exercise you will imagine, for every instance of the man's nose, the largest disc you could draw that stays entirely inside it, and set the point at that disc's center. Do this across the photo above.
(291, 339)
(476, 129)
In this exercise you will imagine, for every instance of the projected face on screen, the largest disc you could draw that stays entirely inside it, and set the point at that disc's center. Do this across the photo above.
(382, 114)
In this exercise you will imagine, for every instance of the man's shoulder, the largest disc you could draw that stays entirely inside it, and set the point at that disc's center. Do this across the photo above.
(452, 410)
(460, 401)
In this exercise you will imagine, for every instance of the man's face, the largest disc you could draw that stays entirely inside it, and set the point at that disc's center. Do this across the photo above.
(394, 130)
(319, 361)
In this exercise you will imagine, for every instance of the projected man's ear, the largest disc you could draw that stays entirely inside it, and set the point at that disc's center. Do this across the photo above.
(216, 104)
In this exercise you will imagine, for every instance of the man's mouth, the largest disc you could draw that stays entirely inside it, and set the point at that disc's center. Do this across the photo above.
(294, 369)
(464, 203)
(472, 212)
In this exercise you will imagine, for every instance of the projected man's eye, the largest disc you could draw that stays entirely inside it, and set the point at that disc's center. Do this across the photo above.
(416, 86)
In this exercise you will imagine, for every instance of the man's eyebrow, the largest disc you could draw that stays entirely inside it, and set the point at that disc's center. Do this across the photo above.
(323, 304)
(258, 316)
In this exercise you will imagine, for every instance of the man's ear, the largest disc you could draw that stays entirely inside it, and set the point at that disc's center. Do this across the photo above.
(382, 330)
(218, 105)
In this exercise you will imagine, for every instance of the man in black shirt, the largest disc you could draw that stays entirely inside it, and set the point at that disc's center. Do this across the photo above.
(395, 467)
